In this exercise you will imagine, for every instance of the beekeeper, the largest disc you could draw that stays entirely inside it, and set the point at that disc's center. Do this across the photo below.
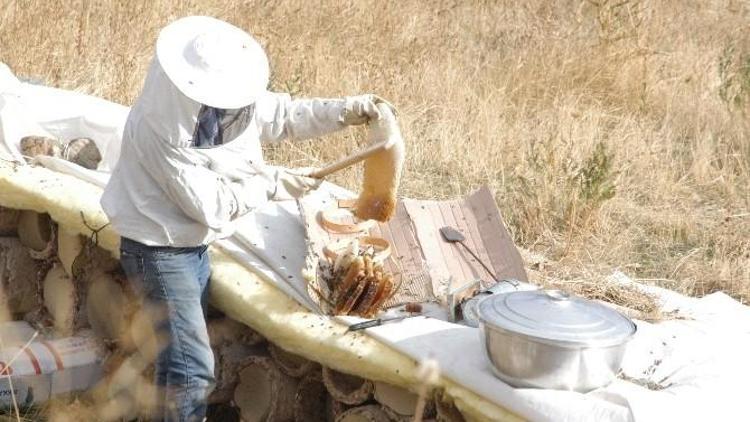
(191, 163)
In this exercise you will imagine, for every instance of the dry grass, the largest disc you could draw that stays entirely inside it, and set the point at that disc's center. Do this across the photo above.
(628, 299)
(614, 133)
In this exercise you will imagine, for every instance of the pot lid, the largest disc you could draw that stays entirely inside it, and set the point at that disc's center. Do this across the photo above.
(557, 317)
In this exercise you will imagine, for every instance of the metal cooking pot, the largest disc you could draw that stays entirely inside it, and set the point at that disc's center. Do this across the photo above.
(550, 339)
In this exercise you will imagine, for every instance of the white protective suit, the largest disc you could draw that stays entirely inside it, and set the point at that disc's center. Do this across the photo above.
(163, 192)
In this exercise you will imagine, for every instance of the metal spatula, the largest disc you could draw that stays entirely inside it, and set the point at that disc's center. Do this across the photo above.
(452, 235)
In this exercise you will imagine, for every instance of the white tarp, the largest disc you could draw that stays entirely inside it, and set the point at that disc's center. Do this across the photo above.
(689, 368)
(28, 109)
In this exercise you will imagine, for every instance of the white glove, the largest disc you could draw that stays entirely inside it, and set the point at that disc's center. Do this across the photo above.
(291, 185)
(360, 109)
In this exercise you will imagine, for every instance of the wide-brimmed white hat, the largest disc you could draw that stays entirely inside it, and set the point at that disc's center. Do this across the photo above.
(213, 62)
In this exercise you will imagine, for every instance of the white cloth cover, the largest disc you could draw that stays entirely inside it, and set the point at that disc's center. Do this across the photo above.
(698, 360)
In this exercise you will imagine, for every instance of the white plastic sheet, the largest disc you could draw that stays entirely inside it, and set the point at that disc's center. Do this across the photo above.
(28, 109)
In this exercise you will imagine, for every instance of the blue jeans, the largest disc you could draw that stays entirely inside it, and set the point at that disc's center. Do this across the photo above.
(173, 284)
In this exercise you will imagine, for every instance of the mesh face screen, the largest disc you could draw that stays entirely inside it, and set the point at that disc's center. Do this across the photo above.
(216, 126)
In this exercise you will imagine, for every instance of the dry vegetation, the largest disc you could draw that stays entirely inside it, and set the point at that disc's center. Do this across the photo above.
(614, 133)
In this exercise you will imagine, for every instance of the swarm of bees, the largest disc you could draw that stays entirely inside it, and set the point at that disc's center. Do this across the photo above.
(357, 282)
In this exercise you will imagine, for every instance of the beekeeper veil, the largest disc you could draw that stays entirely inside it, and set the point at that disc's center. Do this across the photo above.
(203, 82)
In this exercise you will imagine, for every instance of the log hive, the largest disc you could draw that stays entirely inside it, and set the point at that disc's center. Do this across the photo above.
(82, 151)
(399, 403)
(69, 246)
(38, 317)
(233, 343)
(229, 359)
(334, 408)
(8, 222)
(36, 233)
(311, 399)
(446, 410)
(223, 412)
(60, 299)
(348, 389)
(31, 146)
(107, 307)
(19, 277)
(368, 413)
(108, 301)
(222, 331)
(291, 364)
(264, 393)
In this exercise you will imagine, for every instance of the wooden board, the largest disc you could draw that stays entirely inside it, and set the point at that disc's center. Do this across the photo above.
(505, 258)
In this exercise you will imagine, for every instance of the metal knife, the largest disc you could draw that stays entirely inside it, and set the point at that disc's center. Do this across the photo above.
(375, 322)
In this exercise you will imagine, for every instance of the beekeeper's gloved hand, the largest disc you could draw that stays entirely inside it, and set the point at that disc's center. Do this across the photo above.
(360, 109)
(292, 185)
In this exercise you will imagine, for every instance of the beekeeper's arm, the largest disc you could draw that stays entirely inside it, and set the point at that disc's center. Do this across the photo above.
(280, 117)
(210, 197)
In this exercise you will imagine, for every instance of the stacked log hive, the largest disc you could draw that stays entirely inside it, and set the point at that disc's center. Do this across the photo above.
(63, 283)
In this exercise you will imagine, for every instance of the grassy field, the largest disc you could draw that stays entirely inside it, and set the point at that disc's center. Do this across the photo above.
(614, 133)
